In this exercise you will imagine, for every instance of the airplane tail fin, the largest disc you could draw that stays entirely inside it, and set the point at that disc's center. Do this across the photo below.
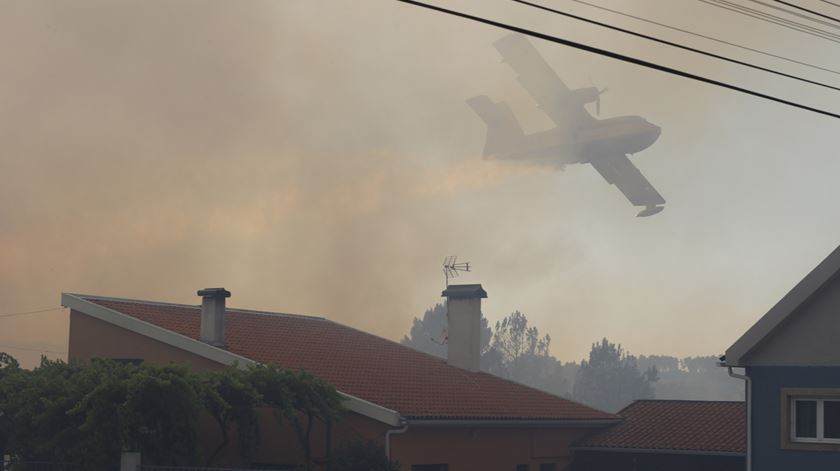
(504, 135)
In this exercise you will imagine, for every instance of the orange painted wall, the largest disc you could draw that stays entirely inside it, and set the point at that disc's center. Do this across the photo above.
(463, 449)
(92, 338)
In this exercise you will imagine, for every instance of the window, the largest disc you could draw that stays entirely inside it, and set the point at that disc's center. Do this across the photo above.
(547, 467)
(810, 419)
(815, 420)
(523, 467)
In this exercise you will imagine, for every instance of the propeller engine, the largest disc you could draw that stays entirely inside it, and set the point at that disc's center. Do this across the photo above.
(586, 95)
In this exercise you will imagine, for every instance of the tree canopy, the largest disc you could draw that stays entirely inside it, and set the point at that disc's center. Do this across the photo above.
(512, 349)
(429, 333)
(517, 350)
(611, 379)
(86, 414)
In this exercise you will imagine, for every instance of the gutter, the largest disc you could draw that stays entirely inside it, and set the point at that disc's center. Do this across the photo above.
(748, 397)
(393, 431)
(663, 451)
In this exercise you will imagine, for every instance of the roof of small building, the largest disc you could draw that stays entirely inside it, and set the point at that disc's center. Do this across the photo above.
(416, 385)
(667, 426)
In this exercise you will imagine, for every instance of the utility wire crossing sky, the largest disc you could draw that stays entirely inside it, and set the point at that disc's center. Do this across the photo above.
(621, 57)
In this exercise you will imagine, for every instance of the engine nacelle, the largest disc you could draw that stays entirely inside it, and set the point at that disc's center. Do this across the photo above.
(584, 95)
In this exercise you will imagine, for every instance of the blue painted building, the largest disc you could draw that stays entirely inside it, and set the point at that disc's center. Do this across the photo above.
(791, 367)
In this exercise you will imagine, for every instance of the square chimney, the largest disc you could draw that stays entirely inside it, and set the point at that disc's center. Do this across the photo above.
(213, 315)
(463, 314)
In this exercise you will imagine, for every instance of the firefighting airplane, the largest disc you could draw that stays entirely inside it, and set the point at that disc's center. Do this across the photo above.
(578, 137)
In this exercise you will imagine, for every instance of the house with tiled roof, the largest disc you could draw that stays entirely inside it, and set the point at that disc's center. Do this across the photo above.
(668, 435)
(429, 414)
(791, 363)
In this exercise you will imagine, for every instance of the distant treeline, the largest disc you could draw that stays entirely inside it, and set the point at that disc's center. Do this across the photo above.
(609, 379)
(697, 378)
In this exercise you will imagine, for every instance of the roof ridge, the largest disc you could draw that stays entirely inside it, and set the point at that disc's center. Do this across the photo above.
(192, 306)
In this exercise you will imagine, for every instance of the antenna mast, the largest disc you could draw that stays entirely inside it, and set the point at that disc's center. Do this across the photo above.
(451, 267)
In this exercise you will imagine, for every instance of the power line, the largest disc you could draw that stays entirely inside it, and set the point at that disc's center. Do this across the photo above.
(766, 17)
(615, 55)
(797, 14)
(793, 5)
(769, 18)
(676, 45)
(29, 349)
(789, 12)
(710, 38)
(16, 314)
(831, 3)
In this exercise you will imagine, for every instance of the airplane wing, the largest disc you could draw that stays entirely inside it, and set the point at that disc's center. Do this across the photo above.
(619, 171)
(540, 80)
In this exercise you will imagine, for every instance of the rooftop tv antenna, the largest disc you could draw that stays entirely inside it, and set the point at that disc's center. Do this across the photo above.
(451, 267)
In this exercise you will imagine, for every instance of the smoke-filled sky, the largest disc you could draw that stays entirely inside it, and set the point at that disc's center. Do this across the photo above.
(318, 158)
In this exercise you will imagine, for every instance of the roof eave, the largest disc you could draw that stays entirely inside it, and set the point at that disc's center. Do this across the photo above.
(77, 302)
(664, 451)
(807, 287)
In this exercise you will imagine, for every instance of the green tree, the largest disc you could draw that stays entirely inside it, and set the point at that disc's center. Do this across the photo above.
(160, 412)
(312, 399)
(102, 388)
(9, 367)
(363, 456)
(611, 379)
(232, 400)
(38, 408)
(299, 399)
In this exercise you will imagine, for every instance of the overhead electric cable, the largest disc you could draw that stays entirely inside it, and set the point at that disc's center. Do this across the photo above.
(766, 17)
(813, 12)
(773, 19)
(15, 314)
(615, 55)
(831, 3)
(780, 18)
(710, 38)
(673, 44)
(797, 14)
(29, 349)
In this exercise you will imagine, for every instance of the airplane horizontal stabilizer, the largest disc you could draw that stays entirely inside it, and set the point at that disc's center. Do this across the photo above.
(504, 134)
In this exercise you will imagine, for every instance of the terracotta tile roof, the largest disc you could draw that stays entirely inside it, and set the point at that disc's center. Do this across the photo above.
(703, 426)
(417, 385)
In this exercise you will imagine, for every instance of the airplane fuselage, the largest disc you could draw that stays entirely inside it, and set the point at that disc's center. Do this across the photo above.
(578, 136)
(622, 135)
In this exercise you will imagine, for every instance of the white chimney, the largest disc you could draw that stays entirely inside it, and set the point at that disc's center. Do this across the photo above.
(213, 315)
(463, 313)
